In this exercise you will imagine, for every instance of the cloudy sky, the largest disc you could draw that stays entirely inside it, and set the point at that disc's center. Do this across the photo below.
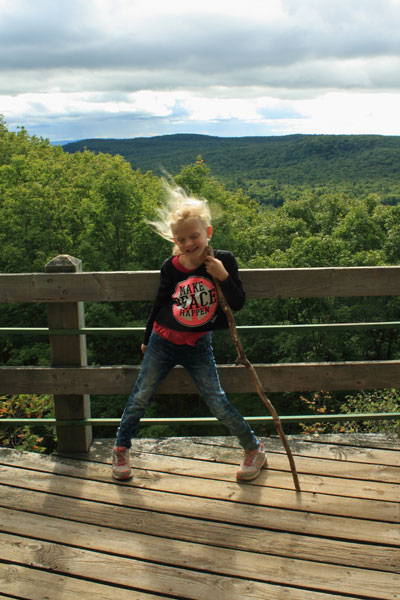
(74, 69)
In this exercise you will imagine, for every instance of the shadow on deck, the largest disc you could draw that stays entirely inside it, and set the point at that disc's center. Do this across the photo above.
(183, 528)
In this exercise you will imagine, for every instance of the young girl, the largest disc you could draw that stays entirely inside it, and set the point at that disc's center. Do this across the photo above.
(185, 311)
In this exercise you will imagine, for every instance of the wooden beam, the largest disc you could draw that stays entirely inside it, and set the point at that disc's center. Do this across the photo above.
(322, 282)
(69, 351)
(142, 285)
(86, 287)
(294, 377)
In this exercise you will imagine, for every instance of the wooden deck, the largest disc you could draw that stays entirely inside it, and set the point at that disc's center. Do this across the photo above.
(183, 528)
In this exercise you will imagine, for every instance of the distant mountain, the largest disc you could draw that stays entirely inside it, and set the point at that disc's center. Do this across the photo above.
(248, 162)
(62, 142)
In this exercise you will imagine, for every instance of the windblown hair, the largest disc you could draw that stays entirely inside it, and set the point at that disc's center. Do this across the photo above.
(179, 207)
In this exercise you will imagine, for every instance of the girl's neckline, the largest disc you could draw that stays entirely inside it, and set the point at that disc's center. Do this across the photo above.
(181, 267)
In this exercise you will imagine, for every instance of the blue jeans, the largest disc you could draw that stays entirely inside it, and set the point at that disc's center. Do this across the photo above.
(160, 357)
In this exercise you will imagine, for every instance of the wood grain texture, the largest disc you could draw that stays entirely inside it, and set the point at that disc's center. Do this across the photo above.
(119, 286)
(183, 527)
(289, 377)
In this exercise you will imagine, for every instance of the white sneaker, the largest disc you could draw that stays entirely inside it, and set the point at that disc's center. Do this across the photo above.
(121, 468)
(253, 462)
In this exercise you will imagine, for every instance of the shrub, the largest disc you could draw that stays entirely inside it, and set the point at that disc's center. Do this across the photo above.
(21, 437)
(374, 401)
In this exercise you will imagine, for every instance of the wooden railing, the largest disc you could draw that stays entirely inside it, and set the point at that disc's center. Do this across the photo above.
(64, 288)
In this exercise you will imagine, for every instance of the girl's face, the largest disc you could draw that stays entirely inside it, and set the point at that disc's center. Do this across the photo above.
(191, 237)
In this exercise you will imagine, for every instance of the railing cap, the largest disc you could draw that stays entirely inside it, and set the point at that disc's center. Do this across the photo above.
(64, 263)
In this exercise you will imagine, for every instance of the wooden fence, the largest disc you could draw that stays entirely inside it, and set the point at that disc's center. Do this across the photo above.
(64, 288)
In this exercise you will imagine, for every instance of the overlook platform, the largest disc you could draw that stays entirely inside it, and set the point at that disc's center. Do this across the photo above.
(183, 528)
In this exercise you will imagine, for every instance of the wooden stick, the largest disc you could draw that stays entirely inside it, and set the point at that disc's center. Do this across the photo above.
(243, 360)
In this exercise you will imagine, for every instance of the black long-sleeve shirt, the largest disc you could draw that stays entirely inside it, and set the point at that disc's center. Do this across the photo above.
(188, 301)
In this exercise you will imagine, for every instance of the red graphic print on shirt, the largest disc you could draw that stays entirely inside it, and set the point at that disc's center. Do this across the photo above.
(195, 301)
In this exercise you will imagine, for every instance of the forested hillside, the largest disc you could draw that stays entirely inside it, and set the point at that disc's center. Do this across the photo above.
(94, 206)
(271, 169)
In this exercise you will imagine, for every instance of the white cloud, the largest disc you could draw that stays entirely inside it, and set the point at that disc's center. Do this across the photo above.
(355, 113)
(271, 66)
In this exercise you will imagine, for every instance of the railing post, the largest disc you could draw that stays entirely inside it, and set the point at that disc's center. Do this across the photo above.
(69, 351)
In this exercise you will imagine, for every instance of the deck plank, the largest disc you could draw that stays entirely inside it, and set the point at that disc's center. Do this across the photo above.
(319, 547)
(151, 576)
(96, 475)
(260, 517)
(187, 555)
(360, 448)
(315, 475)
(366, 463)
(187, 530)
(34, 584)
(277, 460)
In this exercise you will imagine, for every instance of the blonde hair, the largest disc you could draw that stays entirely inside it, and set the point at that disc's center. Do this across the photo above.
(177, 208)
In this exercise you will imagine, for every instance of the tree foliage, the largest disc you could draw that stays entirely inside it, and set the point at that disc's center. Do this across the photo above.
(94, 206)
(272, 169)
